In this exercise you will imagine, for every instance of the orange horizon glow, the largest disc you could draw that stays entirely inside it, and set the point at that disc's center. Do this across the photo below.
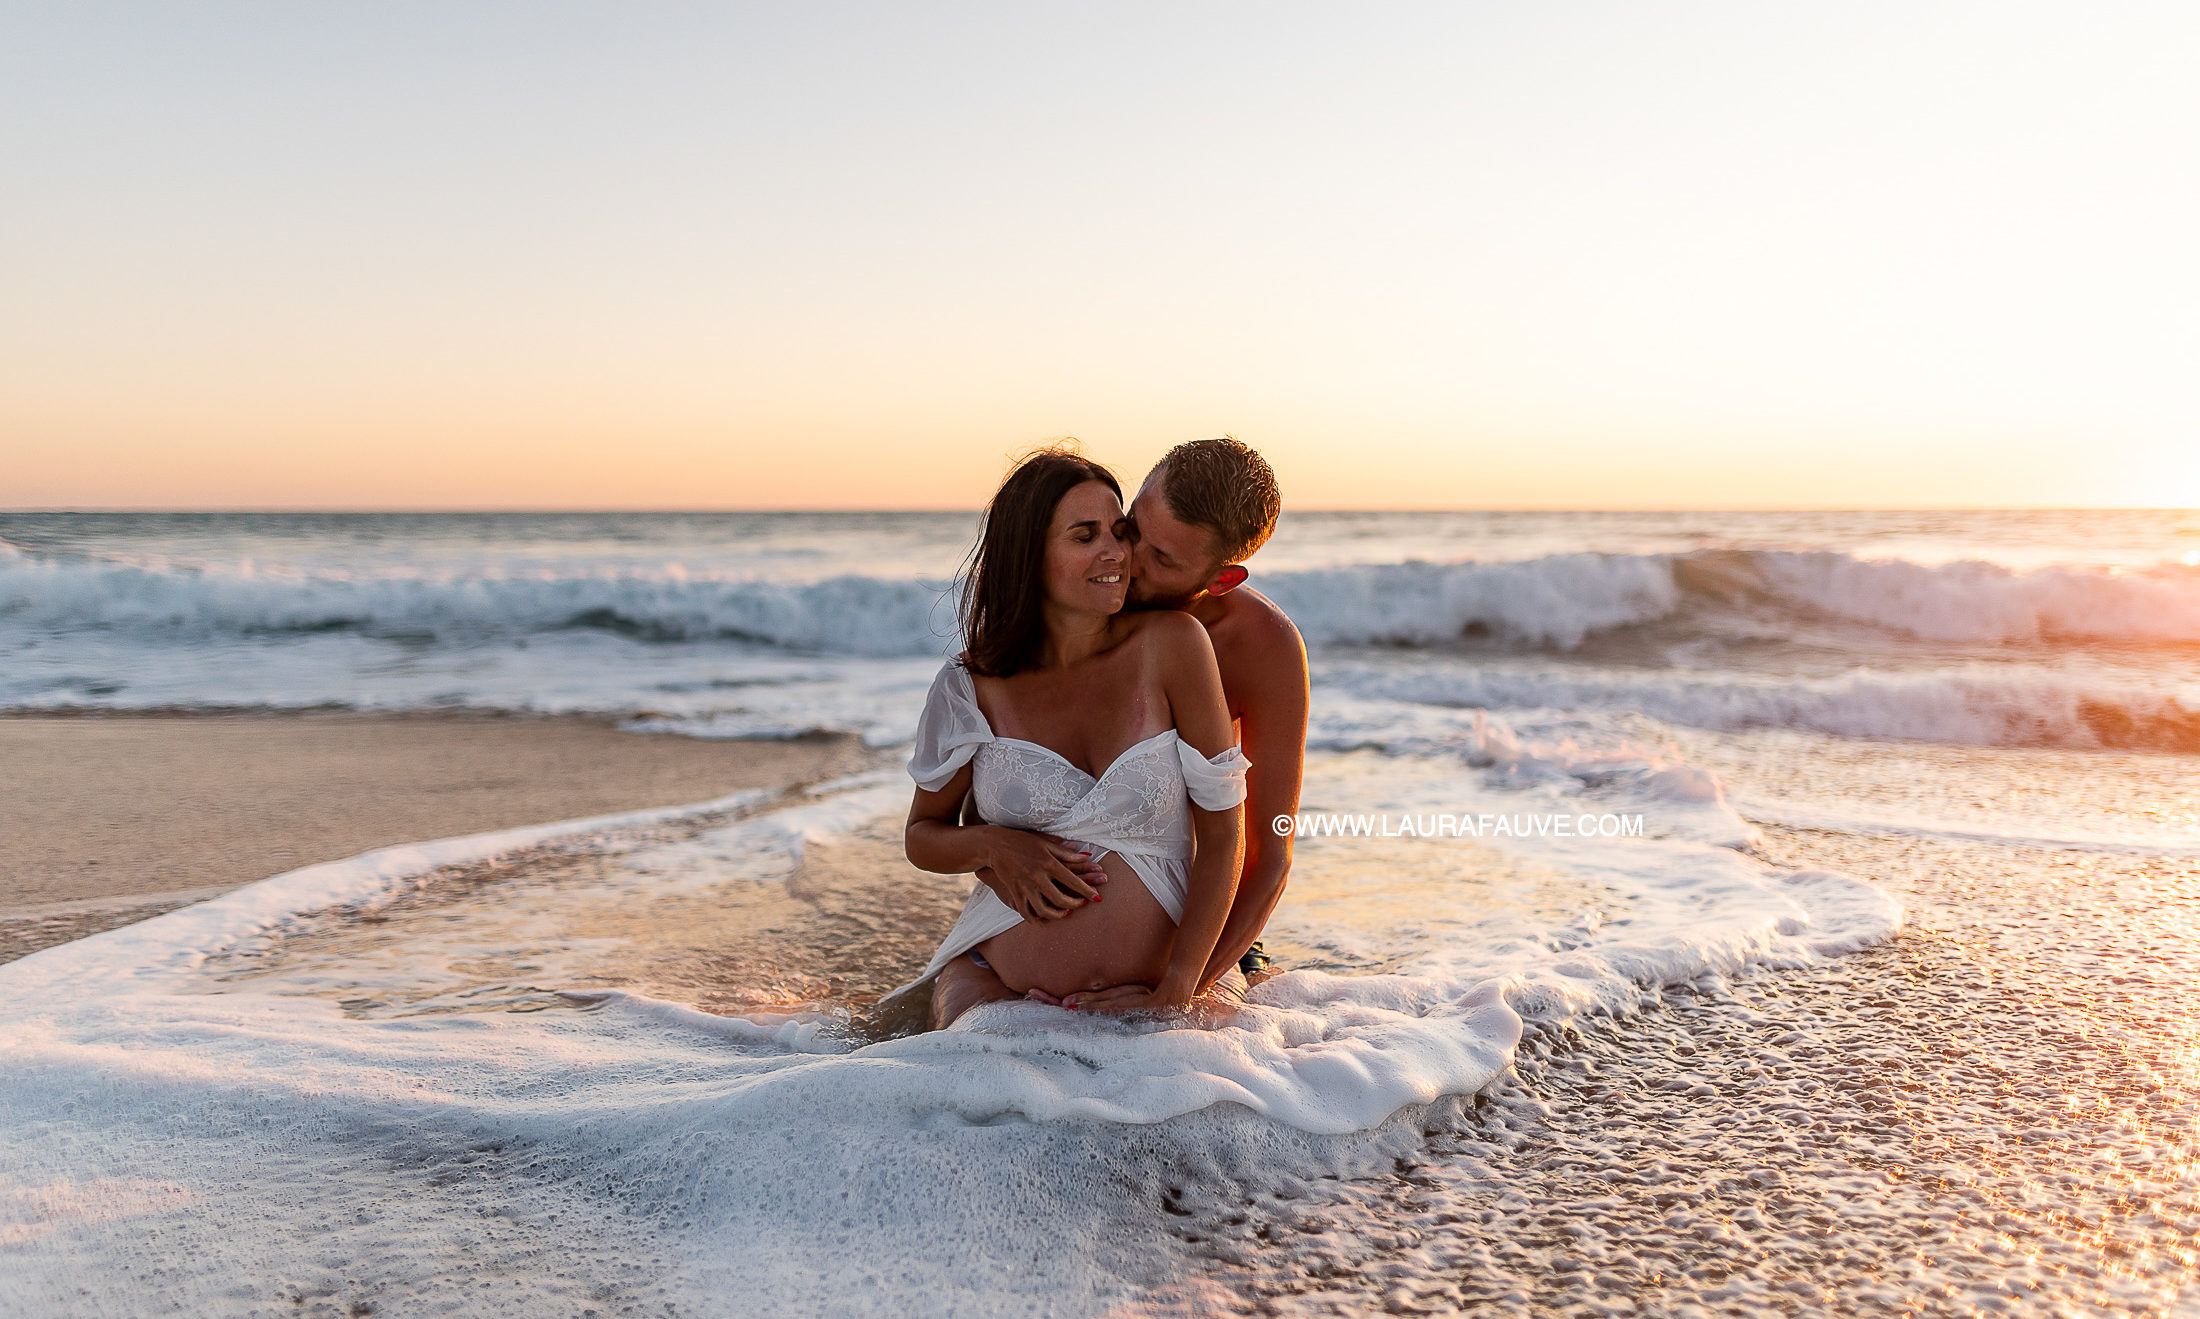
(420, 475)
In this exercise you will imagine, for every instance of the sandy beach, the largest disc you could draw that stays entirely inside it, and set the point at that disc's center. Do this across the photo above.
(115, 817)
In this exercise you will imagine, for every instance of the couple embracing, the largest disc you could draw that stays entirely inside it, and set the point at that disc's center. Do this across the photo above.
(1105, 755)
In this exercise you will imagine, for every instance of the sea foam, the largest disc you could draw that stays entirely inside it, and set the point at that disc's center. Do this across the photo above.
(268, 1138)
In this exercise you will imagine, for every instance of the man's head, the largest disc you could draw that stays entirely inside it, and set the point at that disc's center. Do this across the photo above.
(1205, 507)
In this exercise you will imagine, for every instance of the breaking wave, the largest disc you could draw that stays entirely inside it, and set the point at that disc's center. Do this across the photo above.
(1970, 705)
(1557, 602)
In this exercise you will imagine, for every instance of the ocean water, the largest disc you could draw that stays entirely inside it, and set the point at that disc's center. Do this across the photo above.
(1881, 1000)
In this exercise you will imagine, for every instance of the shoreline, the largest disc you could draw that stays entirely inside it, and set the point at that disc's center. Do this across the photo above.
(115, 817)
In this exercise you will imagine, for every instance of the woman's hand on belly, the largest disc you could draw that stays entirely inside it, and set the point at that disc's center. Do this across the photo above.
(1040, 877)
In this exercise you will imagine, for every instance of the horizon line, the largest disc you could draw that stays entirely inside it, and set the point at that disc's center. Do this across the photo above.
(461, 511)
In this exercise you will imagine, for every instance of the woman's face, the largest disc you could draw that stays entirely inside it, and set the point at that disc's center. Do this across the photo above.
(1084, 567)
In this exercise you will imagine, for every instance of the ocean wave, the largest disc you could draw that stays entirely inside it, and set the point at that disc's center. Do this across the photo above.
(1555, 602)
(1971, 705)
(1969, 601)
(850, 615)
(1561, 600)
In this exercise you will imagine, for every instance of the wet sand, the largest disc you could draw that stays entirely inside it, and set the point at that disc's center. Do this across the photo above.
(849, 922)
(106, 819)
(1997, 1110)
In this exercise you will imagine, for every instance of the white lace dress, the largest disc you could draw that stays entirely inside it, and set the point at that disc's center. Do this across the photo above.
(1139, 808)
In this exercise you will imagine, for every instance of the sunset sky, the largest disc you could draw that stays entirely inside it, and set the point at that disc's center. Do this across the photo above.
(551, 255)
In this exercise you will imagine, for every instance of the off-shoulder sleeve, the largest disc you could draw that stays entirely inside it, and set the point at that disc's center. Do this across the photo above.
(1217, 784)
(950, 730)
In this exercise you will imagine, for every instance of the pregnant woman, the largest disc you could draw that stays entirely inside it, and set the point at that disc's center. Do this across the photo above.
(1067, 717)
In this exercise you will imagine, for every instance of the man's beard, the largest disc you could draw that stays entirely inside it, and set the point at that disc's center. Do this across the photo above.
(1182, 600)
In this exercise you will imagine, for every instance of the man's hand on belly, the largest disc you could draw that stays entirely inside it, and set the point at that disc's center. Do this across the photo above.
(1102, 999)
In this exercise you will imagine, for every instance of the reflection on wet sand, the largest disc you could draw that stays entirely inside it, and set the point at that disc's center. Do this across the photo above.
(719, 915)
(830, 933)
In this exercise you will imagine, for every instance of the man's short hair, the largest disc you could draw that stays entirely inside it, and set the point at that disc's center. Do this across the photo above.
(1224, 486)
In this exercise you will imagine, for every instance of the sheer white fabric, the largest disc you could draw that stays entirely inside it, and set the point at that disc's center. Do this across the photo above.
(1138, 808)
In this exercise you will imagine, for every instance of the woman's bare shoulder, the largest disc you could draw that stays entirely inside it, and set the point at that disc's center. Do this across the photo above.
(1161, 625)
(1171, 636)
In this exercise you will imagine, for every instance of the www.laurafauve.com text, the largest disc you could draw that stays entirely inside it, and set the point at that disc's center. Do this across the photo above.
(1328, 824)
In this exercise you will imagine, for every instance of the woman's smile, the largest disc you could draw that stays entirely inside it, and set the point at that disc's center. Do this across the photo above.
(1113, 585)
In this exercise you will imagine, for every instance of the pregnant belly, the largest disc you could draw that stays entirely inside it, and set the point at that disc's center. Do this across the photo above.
(1122, 940)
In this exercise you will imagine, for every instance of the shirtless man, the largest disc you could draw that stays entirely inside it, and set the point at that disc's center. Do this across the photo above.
(1204, 509)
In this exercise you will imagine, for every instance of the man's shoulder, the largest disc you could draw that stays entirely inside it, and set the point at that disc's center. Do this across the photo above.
(1246, 612)
(1256, 643)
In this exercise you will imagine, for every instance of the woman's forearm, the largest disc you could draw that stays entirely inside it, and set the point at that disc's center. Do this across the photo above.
(1218, 840)
(949, 849)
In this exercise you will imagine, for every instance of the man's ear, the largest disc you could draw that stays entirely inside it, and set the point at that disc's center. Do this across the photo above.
(1230, 578)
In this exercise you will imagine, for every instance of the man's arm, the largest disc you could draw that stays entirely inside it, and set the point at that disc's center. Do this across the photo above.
(1272, 699)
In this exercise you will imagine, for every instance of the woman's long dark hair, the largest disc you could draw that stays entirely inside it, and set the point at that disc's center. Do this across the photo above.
(1003, 623)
